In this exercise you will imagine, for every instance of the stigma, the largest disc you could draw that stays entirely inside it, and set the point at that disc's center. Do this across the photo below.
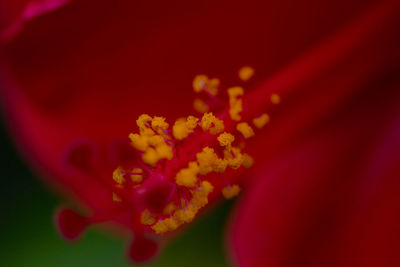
(182, 164)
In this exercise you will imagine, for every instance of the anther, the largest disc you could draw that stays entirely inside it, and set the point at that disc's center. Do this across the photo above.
(235, 103)
(275, 99)
(245, 129)
(212, 123)
(245, 73)
(260, 121)
(200, 106)
(230, 191)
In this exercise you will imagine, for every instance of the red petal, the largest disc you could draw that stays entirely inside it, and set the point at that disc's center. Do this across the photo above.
(331, 198)
(76, 77)
(70, 224)
(352, 63)
(15, 13)
(157, 195)
(142, 249)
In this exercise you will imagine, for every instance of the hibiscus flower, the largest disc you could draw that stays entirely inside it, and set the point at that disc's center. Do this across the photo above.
(307, 132)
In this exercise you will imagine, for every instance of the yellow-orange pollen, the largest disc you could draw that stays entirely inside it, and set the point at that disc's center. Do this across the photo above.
(157, 144)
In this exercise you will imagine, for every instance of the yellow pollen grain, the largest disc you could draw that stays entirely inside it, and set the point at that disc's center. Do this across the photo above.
(235, 109)
(187, 215)
(183, 127)
(199, 83)
(147, 218)
(169, 209)
(231, 191)
(183, 215)
(143, 123)
(220, 165)
(212, 123)
(191, 122)
(143, 120)
(206, 160)
(235, 92)
(235, 103)
(245, 129)
(164, 151)
(137, 178)
(200, 106)
(199, 199)
(171, 224)
(179, 130)
(202, 82)
(212, 86)
(235, 160)
(207, 187)
(207, 121)
(261, 120)
(218, 126)
(160, 227)
(200, 196)
(188, 177)
(159, 124)
(139, 142)
(275, 99)
(118, 176)
(226, 139)
(248, 161)
(245, 73)
(155, 140)
(150, 157)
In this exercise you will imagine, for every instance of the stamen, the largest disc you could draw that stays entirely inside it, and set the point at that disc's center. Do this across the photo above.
(172, 181)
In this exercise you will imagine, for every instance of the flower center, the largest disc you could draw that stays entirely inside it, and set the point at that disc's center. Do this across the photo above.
(181, 166)
(171, 173)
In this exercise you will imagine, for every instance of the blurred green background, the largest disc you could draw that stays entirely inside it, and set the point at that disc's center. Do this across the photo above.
(28, 236)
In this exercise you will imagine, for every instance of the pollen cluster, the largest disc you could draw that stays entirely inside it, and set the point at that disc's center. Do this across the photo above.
(185, 155)
(186, 212)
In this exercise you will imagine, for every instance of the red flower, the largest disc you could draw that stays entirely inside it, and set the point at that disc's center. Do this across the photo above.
(324, 187)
